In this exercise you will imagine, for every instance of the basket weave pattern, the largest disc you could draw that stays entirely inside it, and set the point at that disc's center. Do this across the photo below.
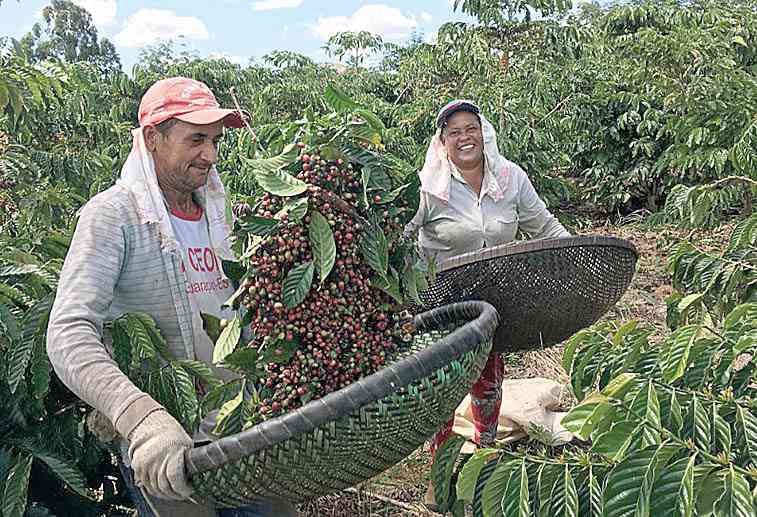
(358, 432)
(544, 291)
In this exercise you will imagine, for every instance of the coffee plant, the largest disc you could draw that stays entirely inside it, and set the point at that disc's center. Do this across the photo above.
(326, 273)
(668, 429)
(50, 464)
(613, 107)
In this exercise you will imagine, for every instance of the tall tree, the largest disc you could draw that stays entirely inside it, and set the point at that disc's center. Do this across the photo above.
(358, 43)
(68, 34)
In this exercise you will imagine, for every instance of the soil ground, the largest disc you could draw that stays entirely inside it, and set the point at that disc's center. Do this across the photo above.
(400, 490)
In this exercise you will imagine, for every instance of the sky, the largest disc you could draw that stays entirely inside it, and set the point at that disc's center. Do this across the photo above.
(241, 30)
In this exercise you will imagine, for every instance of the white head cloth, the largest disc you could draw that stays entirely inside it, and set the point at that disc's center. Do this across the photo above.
(138, 176)
(436, 173)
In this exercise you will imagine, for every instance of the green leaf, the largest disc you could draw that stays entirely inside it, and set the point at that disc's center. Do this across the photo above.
(218, 396)
(577, 373)
(620, 385)
(673, 493)
(746, 427)
(280, 351)
(660, 460)
(491, 498)
(14, 295)
(375, 250)
(466, 481)
(257, 225)
(739, 40)
(646, 405)
(625, 482)
(565, 496)
(233, 270)
(211, 325)
(322, 244)
(9, 326)
(721, 431)
(153, 333)
(410, 283)
(230, 418)
(709, 486)
(595, 493)
(17, 486)
(34, 326)
(689, 301)
(548, 478)
(569, 353)
(516, 498)
(443, 467)
(268, 165)
(338, 100)
(201, 371)
(699, 423)
(280, 183)
(121, 346)
(295, 209)
(365, 176)
(678, 349)
(736, 500)
(390, 284)
(376, 123)
(297, 284)
(273, 180)
(615, 442)
(228, 340)
(40, 370)
(245, 361)
(675, 414)
(582, 418)
(140, 344)
(67, 472)
(186, 397)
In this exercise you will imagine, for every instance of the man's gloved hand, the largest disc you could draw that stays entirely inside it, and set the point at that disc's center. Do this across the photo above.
(156, 452)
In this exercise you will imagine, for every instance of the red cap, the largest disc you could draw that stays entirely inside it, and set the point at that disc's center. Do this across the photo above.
(184, 99)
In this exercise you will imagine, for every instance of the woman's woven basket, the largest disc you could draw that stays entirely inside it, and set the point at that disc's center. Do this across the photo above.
(353, 434)
(544, 291)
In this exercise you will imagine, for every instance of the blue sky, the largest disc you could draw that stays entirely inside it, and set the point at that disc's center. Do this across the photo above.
(241, 29)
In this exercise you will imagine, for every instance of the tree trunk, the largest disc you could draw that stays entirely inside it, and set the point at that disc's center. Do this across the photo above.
(747, 211)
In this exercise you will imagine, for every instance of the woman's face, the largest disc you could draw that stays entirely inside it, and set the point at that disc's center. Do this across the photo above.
(463, 140)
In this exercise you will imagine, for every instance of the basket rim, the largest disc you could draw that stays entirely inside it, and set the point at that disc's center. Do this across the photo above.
(520, 247)
(482, 322)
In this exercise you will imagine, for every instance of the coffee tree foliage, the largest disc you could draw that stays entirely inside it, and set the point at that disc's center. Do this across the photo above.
(661, 429)
(633, 105)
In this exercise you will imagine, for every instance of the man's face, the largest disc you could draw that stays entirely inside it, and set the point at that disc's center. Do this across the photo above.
(463, 140)
(184, 154)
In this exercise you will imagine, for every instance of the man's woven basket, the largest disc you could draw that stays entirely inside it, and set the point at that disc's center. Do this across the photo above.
(353, 434)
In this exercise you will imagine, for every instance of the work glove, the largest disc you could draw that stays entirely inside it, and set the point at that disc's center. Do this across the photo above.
(156, 451)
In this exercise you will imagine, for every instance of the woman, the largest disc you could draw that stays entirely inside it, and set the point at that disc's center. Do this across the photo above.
(472, 197)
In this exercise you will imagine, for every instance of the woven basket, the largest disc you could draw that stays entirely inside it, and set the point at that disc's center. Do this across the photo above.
(353, 434)
(544, 291)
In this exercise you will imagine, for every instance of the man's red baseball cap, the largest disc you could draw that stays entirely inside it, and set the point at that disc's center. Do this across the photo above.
(184, 99)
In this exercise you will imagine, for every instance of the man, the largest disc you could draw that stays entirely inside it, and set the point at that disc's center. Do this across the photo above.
(152, 243)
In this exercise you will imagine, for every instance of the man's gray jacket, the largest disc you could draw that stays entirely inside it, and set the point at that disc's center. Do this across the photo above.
(115, 265)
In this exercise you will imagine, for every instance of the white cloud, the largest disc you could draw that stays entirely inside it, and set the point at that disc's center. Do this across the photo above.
(147, 26)
(267, 5)
(426, 17)
(103, 11)
(381, 19)
(431, 38)
(237, 60)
